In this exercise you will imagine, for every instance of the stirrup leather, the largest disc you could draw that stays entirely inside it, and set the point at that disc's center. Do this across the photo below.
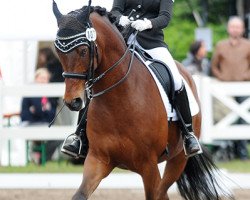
(195, 153)
(76, 156)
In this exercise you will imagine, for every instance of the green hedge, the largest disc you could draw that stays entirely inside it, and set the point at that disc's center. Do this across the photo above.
(180, 32)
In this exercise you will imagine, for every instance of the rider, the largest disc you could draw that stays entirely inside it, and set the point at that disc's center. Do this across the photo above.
(149, 17)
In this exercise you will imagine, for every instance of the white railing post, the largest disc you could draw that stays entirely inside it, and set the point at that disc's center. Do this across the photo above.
(206, 109)
(1, 105)
(1, 117)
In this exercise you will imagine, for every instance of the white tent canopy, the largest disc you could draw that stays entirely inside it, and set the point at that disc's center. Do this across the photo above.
(23, 24)
(34, 19)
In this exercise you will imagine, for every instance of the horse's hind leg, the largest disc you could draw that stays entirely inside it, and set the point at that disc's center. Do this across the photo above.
(94, 171)
(151, 179)
(172, 172)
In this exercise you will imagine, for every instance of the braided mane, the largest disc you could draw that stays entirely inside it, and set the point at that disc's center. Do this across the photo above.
(101, 11)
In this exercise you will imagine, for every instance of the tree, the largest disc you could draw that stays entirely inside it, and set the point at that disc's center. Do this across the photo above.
(215, 11)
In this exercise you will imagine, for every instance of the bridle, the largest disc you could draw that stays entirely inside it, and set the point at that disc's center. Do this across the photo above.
(67, 44)
(88, 38)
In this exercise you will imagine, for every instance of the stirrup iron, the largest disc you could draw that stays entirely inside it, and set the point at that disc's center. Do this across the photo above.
(72, 154)
(195, 153)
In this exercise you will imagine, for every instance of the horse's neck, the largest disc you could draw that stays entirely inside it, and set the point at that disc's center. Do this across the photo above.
(131, 100)
(112, 48)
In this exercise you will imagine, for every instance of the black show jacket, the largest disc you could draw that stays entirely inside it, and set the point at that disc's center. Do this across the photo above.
(159, 12)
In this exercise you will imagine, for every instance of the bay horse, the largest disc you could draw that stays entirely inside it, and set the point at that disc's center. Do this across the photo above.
(127, 123)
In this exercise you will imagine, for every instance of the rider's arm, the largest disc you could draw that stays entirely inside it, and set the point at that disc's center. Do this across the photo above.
(165, 14)
(118, 8)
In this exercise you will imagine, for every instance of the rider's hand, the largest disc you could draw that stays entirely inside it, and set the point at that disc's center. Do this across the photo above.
(124, 21)
(142, 25)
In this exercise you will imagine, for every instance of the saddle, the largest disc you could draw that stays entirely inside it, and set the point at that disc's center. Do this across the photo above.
(161, 71)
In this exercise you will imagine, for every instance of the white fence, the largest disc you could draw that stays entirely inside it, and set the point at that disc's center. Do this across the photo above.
(208, 90)
(211, 89)
(14, 152)
(38, 133)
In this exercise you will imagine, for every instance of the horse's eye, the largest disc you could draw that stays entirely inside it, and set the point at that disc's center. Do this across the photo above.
(83, 52)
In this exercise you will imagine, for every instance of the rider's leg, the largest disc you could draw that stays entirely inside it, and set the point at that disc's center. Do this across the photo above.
(191, 144)
(78, 146)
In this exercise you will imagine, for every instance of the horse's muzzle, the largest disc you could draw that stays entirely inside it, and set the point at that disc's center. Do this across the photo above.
(75, 104)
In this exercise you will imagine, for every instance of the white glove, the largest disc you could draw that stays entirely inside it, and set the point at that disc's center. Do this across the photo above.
(142, 25)
(124, 21)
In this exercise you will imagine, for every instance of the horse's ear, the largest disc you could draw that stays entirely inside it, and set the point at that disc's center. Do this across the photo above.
(83, 17)
(56, 12)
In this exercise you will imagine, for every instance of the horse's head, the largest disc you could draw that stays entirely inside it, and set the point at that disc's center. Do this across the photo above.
(76, 49)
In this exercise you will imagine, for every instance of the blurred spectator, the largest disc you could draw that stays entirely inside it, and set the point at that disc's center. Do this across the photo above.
(39, 111)
(46, 58)
(196, 61)
(231, 62)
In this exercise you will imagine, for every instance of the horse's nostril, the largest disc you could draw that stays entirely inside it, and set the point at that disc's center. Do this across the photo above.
(75, 104)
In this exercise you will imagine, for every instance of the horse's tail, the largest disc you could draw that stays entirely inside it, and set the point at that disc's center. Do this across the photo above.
(198, 180)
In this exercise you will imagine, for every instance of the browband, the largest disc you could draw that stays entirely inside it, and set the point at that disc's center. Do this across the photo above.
(66, 44)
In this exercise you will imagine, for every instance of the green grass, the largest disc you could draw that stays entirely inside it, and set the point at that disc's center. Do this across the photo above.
(66, 167)
(50, 167)
(235, 166)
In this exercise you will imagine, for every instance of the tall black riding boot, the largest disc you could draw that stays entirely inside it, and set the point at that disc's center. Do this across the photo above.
(76, 144)
(190, 142)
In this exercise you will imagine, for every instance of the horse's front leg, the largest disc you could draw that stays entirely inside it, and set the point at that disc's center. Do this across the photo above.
(151, 179)
(94, 171)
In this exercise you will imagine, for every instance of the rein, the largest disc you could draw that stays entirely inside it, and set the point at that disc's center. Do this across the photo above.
(89, 84)
(67, 44)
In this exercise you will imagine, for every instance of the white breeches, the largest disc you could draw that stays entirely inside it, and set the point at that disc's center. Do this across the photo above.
(162, 54)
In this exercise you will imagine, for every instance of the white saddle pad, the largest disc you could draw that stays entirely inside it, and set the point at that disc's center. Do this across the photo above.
(171, 113)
